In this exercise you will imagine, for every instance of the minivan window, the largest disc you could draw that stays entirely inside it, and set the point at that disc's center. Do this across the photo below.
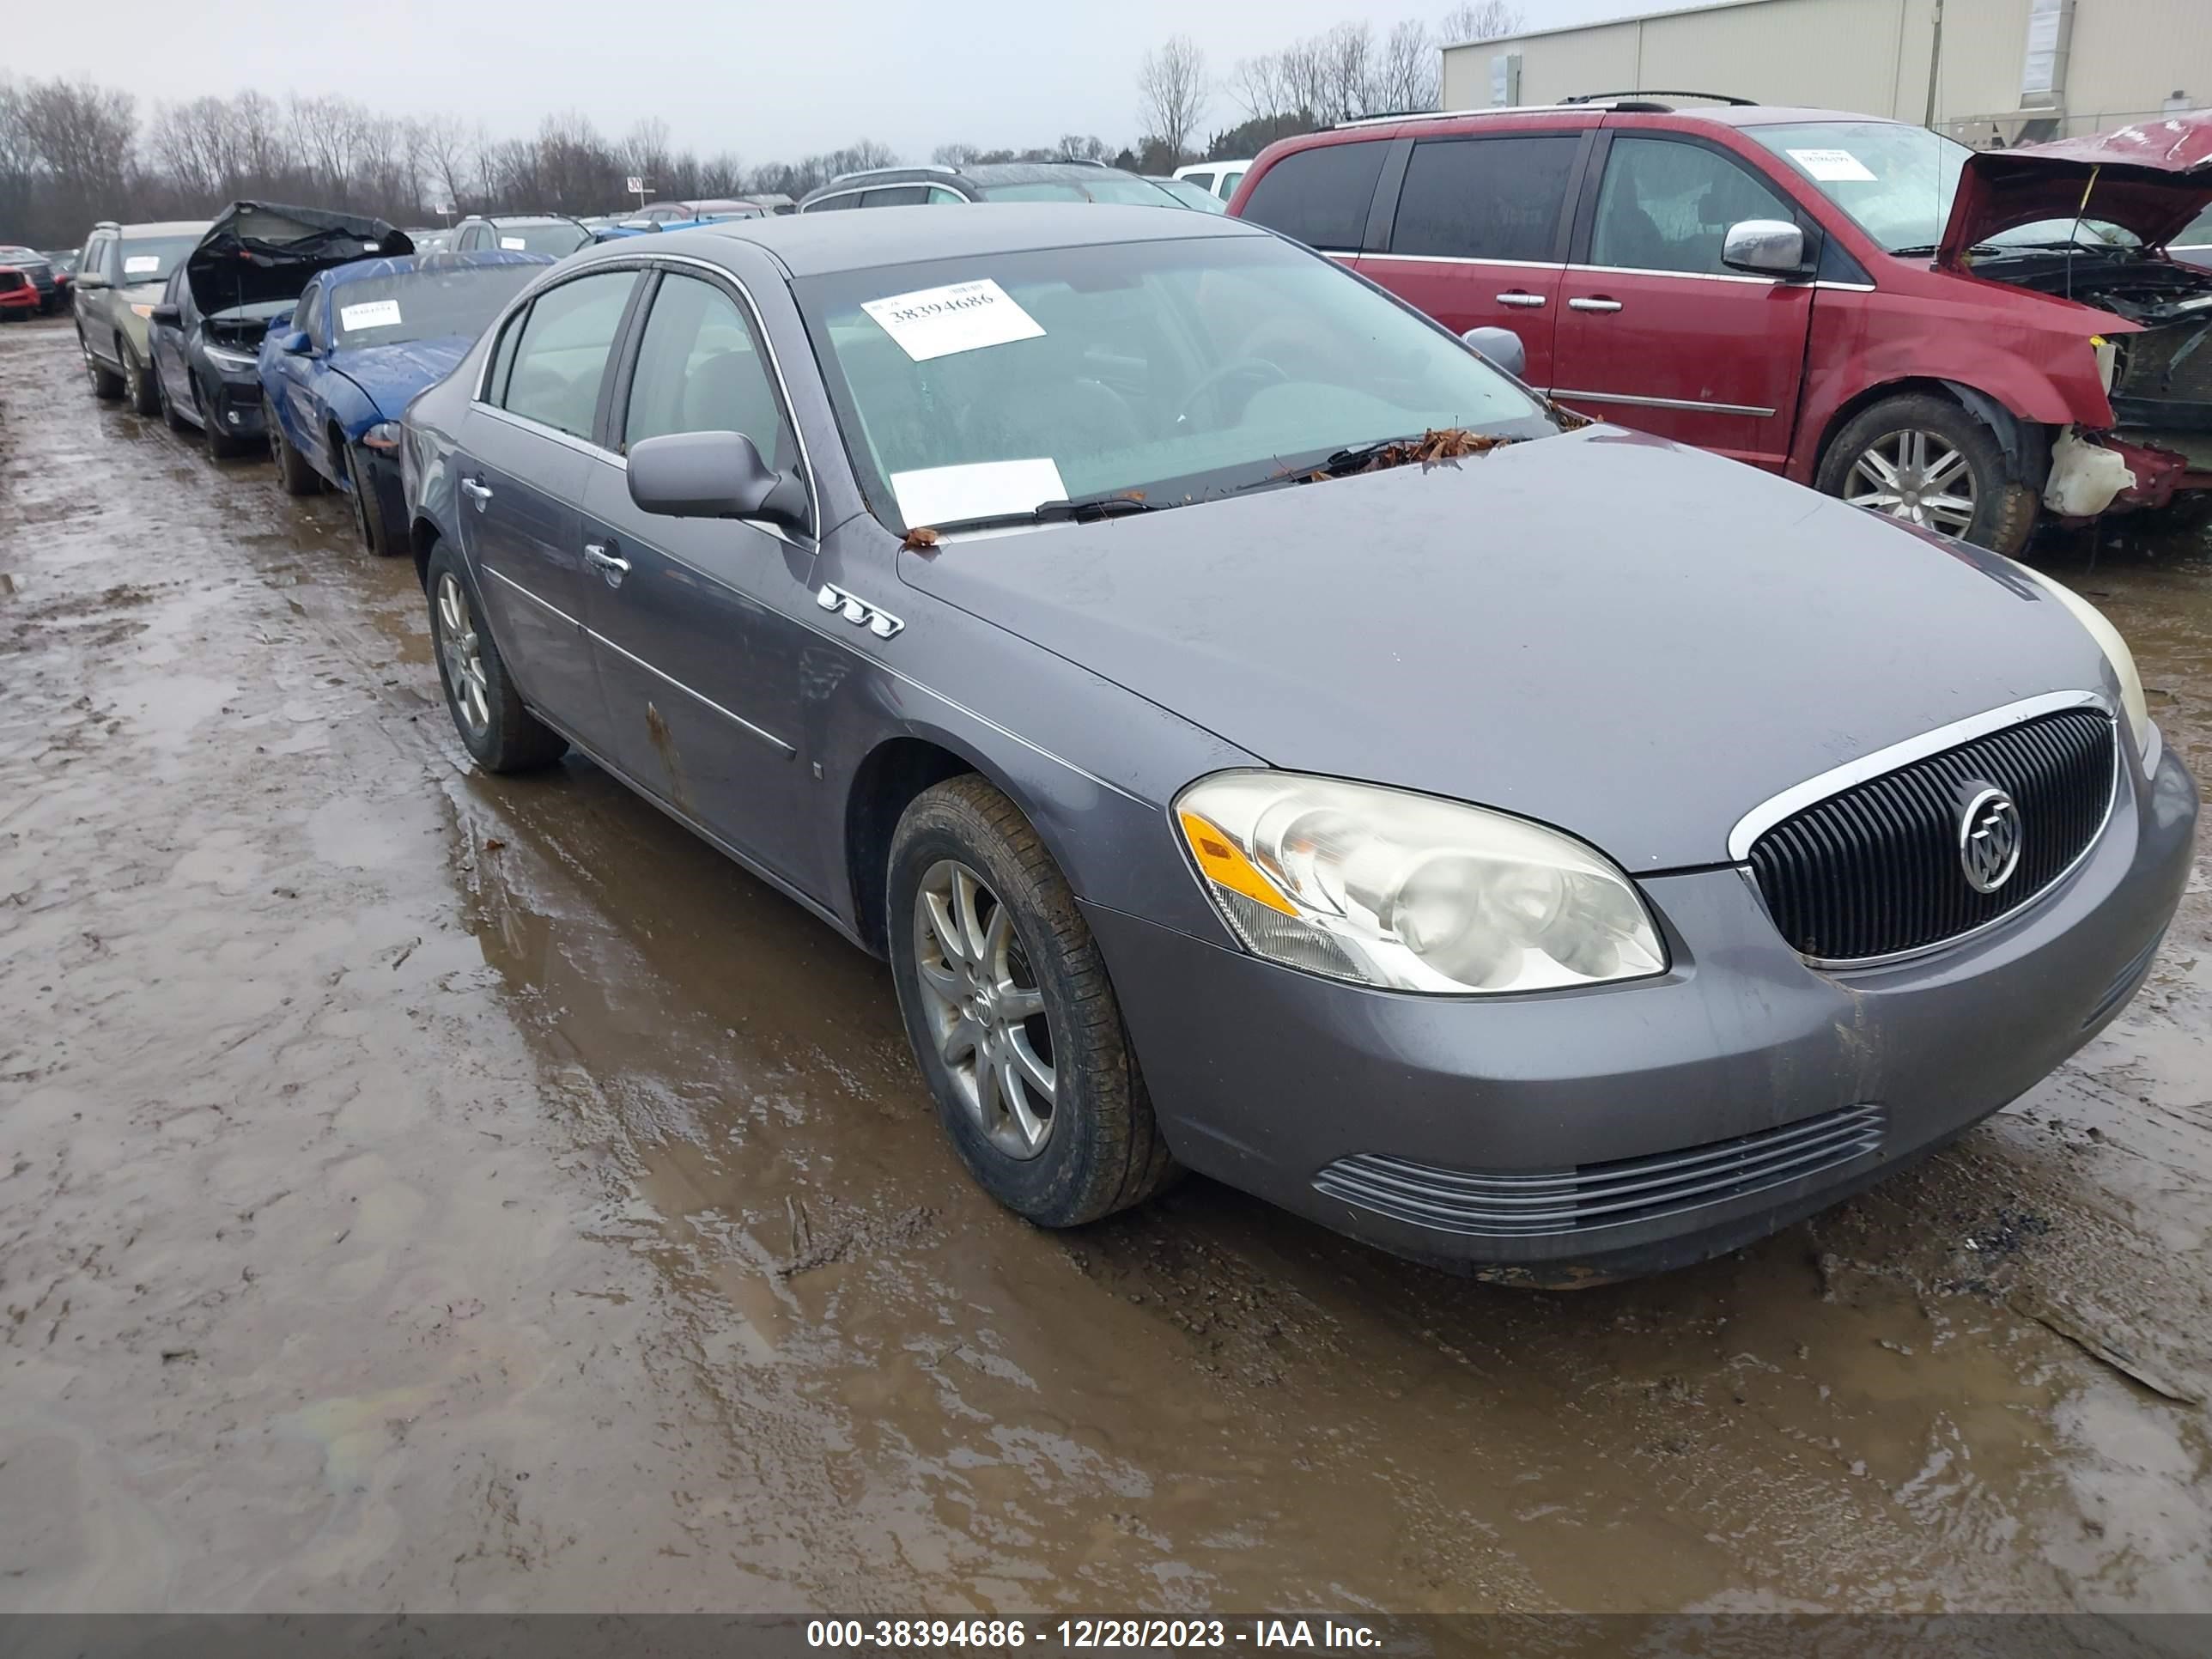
(1320, 196)
(699, 369)
(563, 354)
(1485, 198)
(1668, 206)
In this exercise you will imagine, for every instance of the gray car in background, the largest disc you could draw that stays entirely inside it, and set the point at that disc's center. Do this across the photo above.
(119, 278)
(1265, 739)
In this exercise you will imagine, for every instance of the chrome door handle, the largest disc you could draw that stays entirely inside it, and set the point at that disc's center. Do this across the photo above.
(478, 491)
(1517, 298)
(1593, 304)
(614, 569)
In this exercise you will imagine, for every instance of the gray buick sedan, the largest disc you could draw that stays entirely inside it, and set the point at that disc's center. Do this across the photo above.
(1266, 739)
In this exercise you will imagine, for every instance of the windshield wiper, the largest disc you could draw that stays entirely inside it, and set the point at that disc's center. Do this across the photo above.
(1083, 509)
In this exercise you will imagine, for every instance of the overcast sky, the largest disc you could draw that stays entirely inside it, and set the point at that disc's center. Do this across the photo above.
(768, 81)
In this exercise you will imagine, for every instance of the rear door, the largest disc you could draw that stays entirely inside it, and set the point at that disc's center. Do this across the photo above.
(698, 649)
(1479, 235)
(526, 459)
(1655, 332)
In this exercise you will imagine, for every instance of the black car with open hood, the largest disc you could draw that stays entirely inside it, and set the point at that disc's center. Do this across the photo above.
(251, 267)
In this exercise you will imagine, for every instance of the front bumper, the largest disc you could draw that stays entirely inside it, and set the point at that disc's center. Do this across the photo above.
(1272, 1080)
(238, 409)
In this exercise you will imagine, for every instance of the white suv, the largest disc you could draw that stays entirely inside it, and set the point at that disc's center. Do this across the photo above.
(1222, 177)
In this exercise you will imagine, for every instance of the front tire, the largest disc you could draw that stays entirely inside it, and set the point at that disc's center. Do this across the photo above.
(1926, 460)
(175, 422)
(292, 471)
(1011, 1014)
(488, 711)
(138, 390)
(367, 510)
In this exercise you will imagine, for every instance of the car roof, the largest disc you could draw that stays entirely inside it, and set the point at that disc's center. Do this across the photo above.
(1627, 114)
(164, 228)
(524, 219)
(428, 264)
(817, 244)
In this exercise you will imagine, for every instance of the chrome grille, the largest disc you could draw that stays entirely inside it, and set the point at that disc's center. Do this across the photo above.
(1873, 871)
(1614, 1195)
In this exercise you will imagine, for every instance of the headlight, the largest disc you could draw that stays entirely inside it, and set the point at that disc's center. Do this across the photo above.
(2115, 652)
(385, 434)
(1385, 888)
(224, 357)
(142, 310)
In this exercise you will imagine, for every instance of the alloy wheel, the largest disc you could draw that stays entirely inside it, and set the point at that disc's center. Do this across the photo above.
(1917, 475)
(464, 657)
(984, 1008)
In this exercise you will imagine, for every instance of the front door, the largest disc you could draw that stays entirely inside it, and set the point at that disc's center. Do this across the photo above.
(526, 457)
(1478, 238)
(165, 342)
(698, 644)
(1655, 332)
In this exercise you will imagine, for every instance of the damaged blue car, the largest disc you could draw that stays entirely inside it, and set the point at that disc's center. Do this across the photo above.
(363, 340)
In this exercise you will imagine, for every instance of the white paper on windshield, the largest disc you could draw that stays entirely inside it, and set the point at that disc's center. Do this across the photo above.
(369, 313)
(514, 243)
(1832, 167)
(943, 494)
(935, 322)
(139, 264)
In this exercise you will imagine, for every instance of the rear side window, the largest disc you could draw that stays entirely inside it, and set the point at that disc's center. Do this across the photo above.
(1485, 198)
(1319, 195)
(562, 355)
(896, 195)
(1667, 206)
(1203, 181)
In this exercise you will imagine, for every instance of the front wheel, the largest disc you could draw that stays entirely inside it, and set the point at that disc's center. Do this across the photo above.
(1925, 459)
(106, 384)
(138, 389)
(1012, 1017)
(488, 711)
(368, 508)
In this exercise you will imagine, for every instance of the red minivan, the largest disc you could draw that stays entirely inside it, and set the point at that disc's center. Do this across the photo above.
(1955, 337)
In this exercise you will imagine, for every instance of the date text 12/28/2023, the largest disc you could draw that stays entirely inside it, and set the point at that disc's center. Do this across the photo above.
(1086, 1634)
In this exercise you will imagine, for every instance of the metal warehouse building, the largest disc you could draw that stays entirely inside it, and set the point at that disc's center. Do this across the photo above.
(2008, 71)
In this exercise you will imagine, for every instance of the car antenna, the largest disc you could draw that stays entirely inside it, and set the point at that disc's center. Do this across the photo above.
(2074, 237)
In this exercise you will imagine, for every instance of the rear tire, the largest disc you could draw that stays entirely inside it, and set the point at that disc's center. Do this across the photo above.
(293, 471)
(106, 384)
(1925, 460)
(488, 712)
(1017, 980)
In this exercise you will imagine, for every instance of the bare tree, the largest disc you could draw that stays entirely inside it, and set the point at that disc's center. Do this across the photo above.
(1261, 87)
(1172, 92)
(1480, 20)
(82, 134)
(1405, 70)
(448, 161)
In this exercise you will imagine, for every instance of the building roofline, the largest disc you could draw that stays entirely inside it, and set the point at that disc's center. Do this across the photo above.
(1603, 23)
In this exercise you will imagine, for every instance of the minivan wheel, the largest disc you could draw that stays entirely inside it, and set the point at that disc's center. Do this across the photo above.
(488, 712)
(1924, 459)
(1012, 1017)
(105, 382)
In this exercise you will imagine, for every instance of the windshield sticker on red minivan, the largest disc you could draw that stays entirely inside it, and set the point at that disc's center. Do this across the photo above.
(936, 322)
(1832, 167)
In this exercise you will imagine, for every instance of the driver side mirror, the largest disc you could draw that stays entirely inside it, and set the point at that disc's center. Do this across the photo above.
(293, 342)
(1500, 348)
(167, 316)
(91, 279)
(1765, 247)
(712, 475)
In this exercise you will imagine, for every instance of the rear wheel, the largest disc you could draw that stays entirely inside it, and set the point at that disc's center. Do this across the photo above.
(488, 712)
(1923, 458)
(106, 384)
(297, 477)
(1012, 1017)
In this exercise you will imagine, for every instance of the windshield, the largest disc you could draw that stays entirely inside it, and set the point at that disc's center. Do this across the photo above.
(151, 259)
(1180, 369)
(555, 239)
(424, 305)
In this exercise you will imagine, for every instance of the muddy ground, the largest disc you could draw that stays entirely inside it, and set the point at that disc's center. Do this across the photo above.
(422, 1190)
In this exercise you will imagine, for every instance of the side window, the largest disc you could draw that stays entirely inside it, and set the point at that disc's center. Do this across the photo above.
(1227, 187)
(175, 292)
(560, 352)
(896, 195)
(1319, 196)
(471, 240)
(1667, 206)
(502, 358)
(941, 197)
(1485, 198)
(699, 369)
(1203, 181)
(96, 254)
(309, 317)
(305, 308)
(835, 203)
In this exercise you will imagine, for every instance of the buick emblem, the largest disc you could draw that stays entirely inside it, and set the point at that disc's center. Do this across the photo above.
(1989, 839)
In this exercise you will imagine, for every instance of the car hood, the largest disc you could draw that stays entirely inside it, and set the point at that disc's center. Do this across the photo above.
(394, 375)
(1634, 642)
(257, 251)
(2151, 179)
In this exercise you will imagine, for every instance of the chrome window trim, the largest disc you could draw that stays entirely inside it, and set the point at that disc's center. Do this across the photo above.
(1846, 288)
(1795, 798)
(1465, 259)
(523, 423)
(1688, 275)
(767, 737)
(1664, 403)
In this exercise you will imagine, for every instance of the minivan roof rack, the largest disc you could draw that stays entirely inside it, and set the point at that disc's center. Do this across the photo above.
(1659, 92)
(918, 167)
(1412, 115)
